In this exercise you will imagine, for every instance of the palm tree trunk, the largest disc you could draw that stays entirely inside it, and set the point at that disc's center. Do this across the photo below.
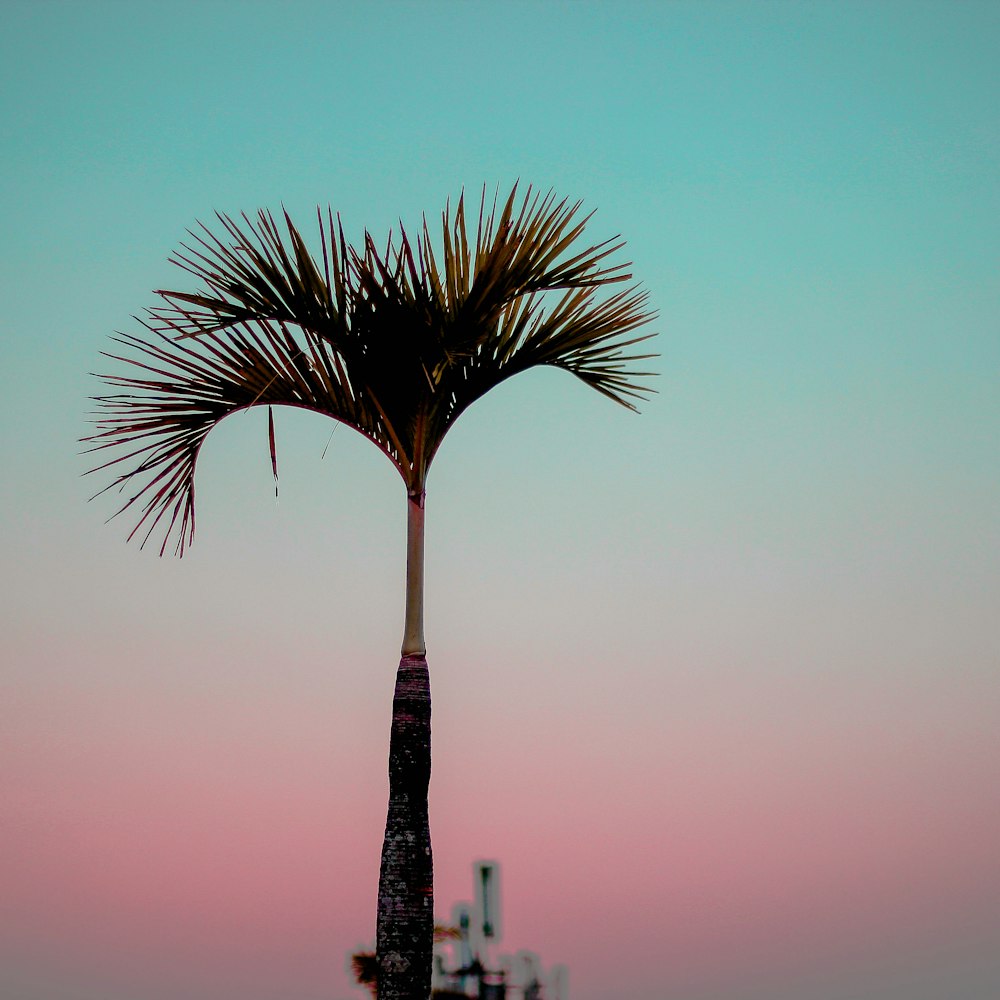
(404, 938)
(413, 625)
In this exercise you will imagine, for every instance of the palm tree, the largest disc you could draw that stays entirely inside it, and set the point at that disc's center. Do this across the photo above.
(395, 343)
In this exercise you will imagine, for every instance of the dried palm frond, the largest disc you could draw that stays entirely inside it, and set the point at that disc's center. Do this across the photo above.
(394, 343)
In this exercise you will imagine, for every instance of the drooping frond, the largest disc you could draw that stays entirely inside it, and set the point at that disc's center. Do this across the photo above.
(174, 392)
(395, 342)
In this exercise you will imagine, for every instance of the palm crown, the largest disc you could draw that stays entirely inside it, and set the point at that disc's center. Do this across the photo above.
(396, 343)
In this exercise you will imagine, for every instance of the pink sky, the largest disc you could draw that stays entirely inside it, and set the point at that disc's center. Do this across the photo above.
(229, 842)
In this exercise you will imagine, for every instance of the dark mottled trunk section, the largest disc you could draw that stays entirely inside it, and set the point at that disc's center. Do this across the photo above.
(405, 928)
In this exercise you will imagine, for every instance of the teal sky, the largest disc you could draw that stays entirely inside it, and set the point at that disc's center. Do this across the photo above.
(717, 684)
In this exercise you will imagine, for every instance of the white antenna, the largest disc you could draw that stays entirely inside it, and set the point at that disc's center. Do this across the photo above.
(461, 917)
(486, 877)
(558, 982)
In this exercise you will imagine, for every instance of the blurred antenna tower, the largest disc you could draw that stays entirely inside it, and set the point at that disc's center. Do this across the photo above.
(465, 966)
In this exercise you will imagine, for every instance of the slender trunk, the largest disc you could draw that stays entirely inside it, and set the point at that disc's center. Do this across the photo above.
(413, 624)
(405, 927)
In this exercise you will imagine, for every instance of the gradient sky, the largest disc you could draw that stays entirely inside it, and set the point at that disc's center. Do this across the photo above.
(719, 684)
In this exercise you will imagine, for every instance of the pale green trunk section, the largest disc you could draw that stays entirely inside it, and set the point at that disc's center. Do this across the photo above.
(413, 624)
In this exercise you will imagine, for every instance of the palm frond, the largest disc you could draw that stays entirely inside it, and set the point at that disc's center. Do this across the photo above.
(396, 343)
(176, 391)
(364, 968)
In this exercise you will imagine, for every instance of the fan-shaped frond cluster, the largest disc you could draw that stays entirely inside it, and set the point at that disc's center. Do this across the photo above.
(395, 342)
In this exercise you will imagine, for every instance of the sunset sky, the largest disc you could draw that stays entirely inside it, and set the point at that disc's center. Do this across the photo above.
(717, 684)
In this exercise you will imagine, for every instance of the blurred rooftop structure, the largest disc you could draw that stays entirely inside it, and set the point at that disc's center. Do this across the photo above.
(468, 963)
